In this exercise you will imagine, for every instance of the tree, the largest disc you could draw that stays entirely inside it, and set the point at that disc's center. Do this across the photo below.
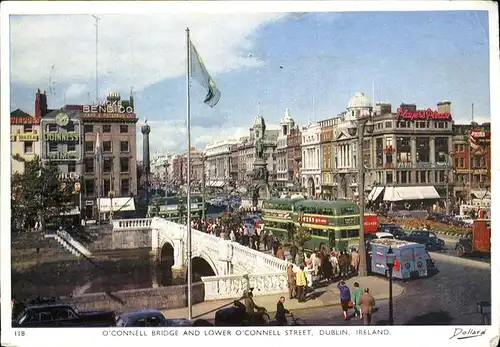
(300, 236)
(39, 195)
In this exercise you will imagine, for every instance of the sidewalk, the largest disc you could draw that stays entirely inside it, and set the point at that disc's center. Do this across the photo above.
(321, 297)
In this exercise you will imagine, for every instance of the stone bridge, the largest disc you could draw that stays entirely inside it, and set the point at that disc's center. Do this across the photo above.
(234, 268)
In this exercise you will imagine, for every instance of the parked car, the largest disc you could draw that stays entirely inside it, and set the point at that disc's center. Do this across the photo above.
(47, 313)
(393, 229)
(427, 238)
(148, 318)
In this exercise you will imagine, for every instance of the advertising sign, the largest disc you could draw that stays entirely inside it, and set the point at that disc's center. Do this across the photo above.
(27, 137)
(428, 114)
(62, 137)
(114, 109)
(24, 120)
(313, 220)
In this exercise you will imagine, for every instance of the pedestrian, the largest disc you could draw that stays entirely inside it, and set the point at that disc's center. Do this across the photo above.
(343, 263)
(345, 298)
(232, 236)
(309, 265)
(335, 263)
(367, 304)
(292, 282)
(356, 300)
(301, 283)
(355, 261)
(263, 237)
(280, 253)
(293, 252)
(274, 246)
(281, 312)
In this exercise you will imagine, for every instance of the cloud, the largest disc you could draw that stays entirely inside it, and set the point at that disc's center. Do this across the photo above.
(170, 136)
(74, 91)
(136, 51)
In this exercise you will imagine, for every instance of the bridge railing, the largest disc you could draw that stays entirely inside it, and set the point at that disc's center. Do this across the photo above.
(258, 259)
(234, 286)
(132, 224)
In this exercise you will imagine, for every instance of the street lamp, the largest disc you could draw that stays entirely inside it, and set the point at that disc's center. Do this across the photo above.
(449, 161)
(363, 122)
(111, 195)
(390, 258)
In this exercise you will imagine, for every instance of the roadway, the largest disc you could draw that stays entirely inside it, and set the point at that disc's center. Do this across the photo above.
(447, 298)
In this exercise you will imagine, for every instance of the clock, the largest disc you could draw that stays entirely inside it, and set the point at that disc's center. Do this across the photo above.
(62, 119)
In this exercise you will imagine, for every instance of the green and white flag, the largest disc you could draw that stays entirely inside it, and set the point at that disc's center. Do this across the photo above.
(199, 72)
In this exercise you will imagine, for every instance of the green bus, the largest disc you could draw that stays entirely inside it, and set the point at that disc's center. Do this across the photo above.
(174, 208)
(332, 224)
(277, 215)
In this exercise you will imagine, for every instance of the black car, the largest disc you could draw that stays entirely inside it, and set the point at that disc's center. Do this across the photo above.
(393, 229)
(48, 313)
(148, 318)
(427, 238)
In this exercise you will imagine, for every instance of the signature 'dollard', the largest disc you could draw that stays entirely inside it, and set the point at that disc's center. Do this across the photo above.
(460, 333)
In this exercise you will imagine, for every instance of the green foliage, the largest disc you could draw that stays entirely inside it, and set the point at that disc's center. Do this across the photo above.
(300, 236)
(39, 195)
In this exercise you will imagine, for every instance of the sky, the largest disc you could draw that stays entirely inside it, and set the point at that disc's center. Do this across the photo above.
(310, 63)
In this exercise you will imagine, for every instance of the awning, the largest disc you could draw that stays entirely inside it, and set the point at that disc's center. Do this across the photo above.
(216, 184)
(481, 194)
(119, 205)
(410, 193)
(375, 193)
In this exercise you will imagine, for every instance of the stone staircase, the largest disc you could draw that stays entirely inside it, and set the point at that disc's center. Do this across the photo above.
(69, 243)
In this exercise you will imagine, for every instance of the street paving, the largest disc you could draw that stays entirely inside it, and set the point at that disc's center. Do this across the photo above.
(447, 298)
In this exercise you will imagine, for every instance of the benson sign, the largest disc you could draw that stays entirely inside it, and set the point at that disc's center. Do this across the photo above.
(428, 114)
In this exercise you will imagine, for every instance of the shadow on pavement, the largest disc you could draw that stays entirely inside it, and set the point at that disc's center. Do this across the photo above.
(431, 318)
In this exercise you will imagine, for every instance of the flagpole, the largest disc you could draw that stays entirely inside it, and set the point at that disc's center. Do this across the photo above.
(188, 126)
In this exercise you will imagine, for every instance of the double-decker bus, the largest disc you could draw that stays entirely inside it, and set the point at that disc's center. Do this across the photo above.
(277, 215)
(332, 224)
(174, 208)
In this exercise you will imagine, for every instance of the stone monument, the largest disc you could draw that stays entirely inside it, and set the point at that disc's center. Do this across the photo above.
(259, 188)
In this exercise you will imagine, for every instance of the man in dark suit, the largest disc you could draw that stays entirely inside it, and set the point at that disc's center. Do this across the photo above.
(281, 312)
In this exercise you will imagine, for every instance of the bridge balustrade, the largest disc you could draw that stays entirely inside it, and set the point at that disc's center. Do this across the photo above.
(132, 224)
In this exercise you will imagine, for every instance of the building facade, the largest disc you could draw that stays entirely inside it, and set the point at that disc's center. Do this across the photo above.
(471, 161)
(24, 139)
(115, 122)
(180, 167)
(294, 157)
(284, 172)
(218, 163)
(311, 160)
(326, 147)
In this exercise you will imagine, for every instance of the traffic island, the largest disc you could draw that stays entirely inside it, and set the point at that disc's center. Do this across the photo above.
(328, 295)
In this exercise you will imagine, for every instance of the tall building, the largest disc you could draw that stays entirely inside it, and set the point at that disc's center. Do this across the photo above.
(115, 121)
(180, 167)
(311, 160)
(326, 158)
(218, 163)
(294, 156)
(471, 161)
(284, 173)
(24, 139)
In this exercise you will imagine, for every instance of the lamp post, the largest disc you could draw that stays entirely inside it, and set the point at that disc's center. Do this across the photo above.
(449, 161)
(363, 122)
(390, 258)
(203, 185)
(111, 195)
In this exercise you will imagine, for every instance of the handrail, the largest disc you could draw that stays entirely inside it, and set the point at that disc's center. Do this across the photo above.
(77, 245)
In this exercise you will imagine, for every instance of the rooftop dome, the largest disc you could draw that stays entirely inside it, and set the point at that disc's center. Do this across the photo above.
(259, 121)
(287, 118)
(359, 100)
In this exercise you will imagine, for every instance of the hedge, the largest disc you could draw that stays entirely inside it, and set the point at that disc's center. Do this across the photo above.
(413, 223)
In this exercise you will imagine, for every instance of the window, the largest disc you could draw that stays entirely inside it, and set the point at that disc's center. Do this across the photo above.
(404, 150)
(379, 152)
(388, 142)
(70, 127)
(28, 128)
(421, 124)
(89, 165)
(389, 178)
(106, 128)
(404, 177)
(440, 125)
(51, 128)
(123, 129)
(124, 146)
(124, 165)
(53, 147)
(423, 150)
(28, 147)
(441, 146)
(106, 146)
(108, 162)
(71, 147)
(388, 125)
(125, 187)
(88, 128)
(423, 177)
(71, 167)
(89, 187)
(89, 146)
(107, 186)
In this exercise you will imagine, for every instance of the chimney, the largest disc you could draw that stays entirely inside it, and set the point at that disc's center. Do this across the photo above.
(38, 111)
(444, 106)
(409, 107)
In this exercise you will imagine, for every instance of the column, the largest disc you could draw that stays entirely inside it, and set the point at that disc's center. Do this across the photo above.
(394, 156)
(432, 149)
(413, 141)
